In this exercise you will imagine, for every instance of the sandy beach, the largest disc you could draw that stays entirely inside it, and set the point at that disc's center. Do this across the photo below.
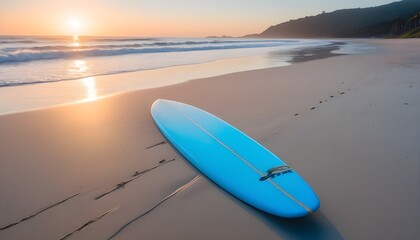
(349, 124)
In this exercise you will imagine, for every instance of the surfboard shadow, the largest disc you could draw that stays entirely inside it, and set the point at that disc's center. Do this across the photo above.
(314, 227)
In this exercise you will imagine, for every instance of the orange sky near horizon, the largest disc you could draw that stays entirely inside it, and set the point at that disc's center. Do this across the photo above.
(155, 17)
(110, 19)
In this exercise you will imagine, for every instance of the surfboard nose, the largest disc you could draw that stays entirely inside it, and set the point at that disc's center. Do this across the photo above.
(157, 103)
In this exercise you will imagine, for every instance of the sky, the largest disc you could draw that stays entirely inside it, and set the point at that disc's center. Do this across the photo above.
(158, 18)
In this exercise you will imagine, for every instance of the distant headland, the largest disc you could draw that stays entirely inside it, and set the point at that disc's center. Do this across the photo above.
(394, 20)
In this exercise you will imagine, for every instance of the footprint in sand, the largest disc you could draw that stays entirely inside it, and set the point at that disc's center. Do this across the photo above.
(157, 144)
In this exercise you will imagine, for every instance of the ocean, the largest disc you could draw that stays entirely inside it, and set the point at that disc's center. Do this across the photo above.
(35, 59)
(32, 66)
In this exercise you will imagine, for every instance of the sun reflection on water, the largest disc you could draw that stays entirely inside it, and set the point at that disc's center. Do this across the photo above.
(91, 92)
(77, 68)
(80, 66)
(75, 42)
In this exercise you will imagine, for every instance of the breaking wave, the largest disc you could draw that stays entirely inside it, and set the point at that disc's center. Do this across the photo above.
(48, 52)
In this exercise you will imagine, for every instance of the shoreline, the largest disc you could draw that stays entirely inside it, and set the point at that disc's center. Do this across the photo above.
(22, 98)
(345, 123)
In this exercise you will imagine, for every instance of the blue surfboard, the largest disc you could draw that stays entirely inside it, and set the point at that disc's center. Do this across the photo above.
(234, 161)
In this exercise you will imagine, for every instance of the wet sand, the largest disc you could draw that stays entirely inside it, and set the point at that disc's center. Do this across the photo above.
(348, 124)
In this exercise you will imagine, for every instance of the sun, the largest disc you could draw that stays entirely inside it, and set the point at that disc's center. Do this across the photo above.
(75, 25)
